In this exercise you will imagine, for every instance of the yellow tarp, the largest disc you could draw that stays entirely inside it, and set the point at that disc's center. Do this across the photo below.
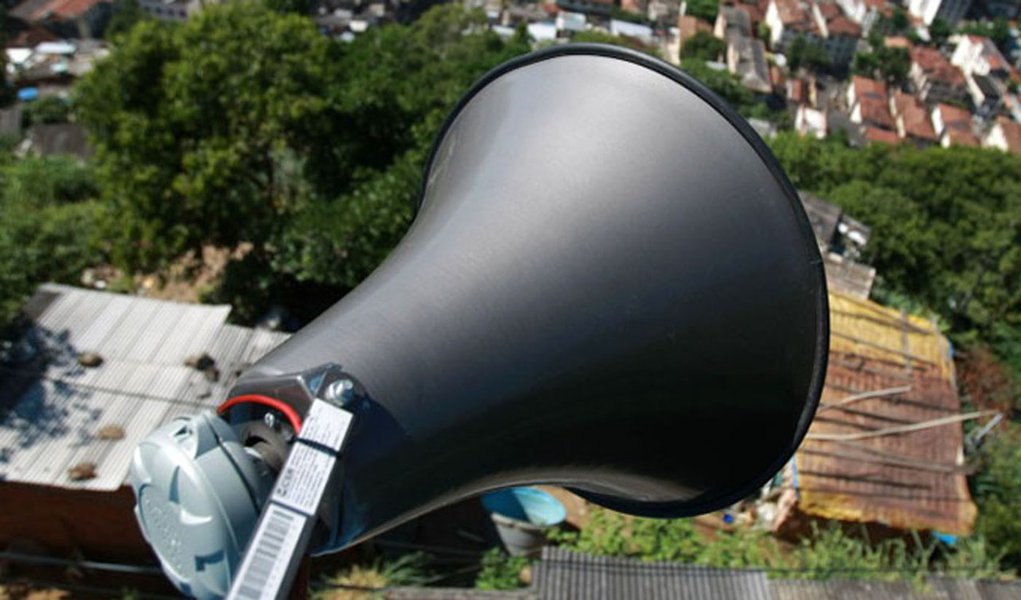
(865, 328)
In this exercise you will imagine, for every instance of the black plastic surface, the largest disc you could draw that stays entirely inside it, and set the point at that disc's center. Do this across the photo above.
(610, 285)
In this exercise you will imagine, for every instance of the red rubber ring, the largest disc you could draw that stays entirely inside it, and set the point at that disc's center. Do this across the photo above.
(289, 412)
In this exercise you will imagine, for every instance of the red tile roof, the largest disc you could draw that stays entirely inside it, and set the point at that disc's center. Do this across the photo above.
(914, 117)
(897, 41)
(954, 116)
(829, 10)
(64, 9)
(936, 66)
(795, 15)
(841, 25)
(883, 136)
(875, 105)
(960, 137)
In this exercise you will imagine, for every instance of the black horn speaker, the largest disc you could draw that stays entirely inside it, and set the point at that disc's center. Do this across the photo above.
(610, 285)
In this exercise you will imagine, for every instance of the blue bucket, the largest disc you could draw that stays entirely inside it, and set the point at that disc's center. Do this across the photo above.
(521, 515)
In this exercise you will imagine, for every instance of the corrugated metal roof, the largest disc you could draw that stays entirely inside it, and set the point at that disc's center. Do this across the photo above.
(933, 588)
(564, 574)
(142, 382)
(424, 593)
(910, 480)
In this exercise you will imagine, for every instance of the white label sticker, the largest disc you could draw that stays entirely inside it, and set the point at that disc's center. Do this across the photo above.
(303, 479)
(326, 424)
(273, 548)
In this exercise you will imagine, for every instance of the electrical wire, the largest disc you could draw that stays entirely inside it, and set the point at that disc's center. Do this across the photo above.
(105, 390)
(83, 564)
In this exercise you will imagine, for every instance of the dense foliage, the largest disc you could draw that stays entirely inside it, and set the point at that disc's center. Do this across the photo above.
(47, 232)
(998, 30)
(500, 571)
(946, 225)
(888, 64)
(802, 53)
(828, 552)
(45, 110)
(704, 46)
(246, 125)
(997, 489)
(703, 9)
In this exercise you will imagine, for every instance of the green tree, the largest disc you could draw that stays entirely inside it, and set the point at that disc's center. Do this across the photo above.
(48, 229)
(125, 14)
(6, 95)
(997, 489)
(500, 571)
(998, 30)
(724, 83)
(247, 125)
(703, 9)
(888, 64)
(939, 31)
(203, 131)
(301, 7)
(49, 109)
(704, 46)
(804, 53)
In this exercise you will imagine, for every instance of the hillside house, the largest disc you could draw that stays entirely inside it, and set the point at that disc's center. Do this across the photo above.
(985, 95)
(1004, 135)
(885, 449)
(864, 12)
(869, 103)
(732, 21)
(841, 240)
(65, 18)
(914, 124)
(954, 127)
(979, 55)
(788, 19)
(746, 58)
(840, 34)
(810, 122)
(934, 78)
(949, 11)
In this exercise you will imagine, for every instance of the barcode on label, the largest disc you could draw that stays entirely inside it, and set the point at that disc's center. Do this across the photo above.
(268, 556)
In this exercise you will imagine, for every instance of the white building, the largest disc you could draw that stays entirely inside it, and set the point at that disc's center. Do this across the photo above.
(950, 11)
(810, 122)
(977, 55)
(571, 22)
(171, 10)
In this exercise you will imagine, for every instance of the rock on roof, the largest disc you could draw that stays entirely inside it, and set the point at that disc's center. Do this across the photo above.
(53, 409)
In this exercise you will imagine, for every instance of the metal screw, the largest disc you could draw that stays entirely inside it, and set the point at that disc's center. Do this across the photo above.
(270, 420)
(340, 391)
